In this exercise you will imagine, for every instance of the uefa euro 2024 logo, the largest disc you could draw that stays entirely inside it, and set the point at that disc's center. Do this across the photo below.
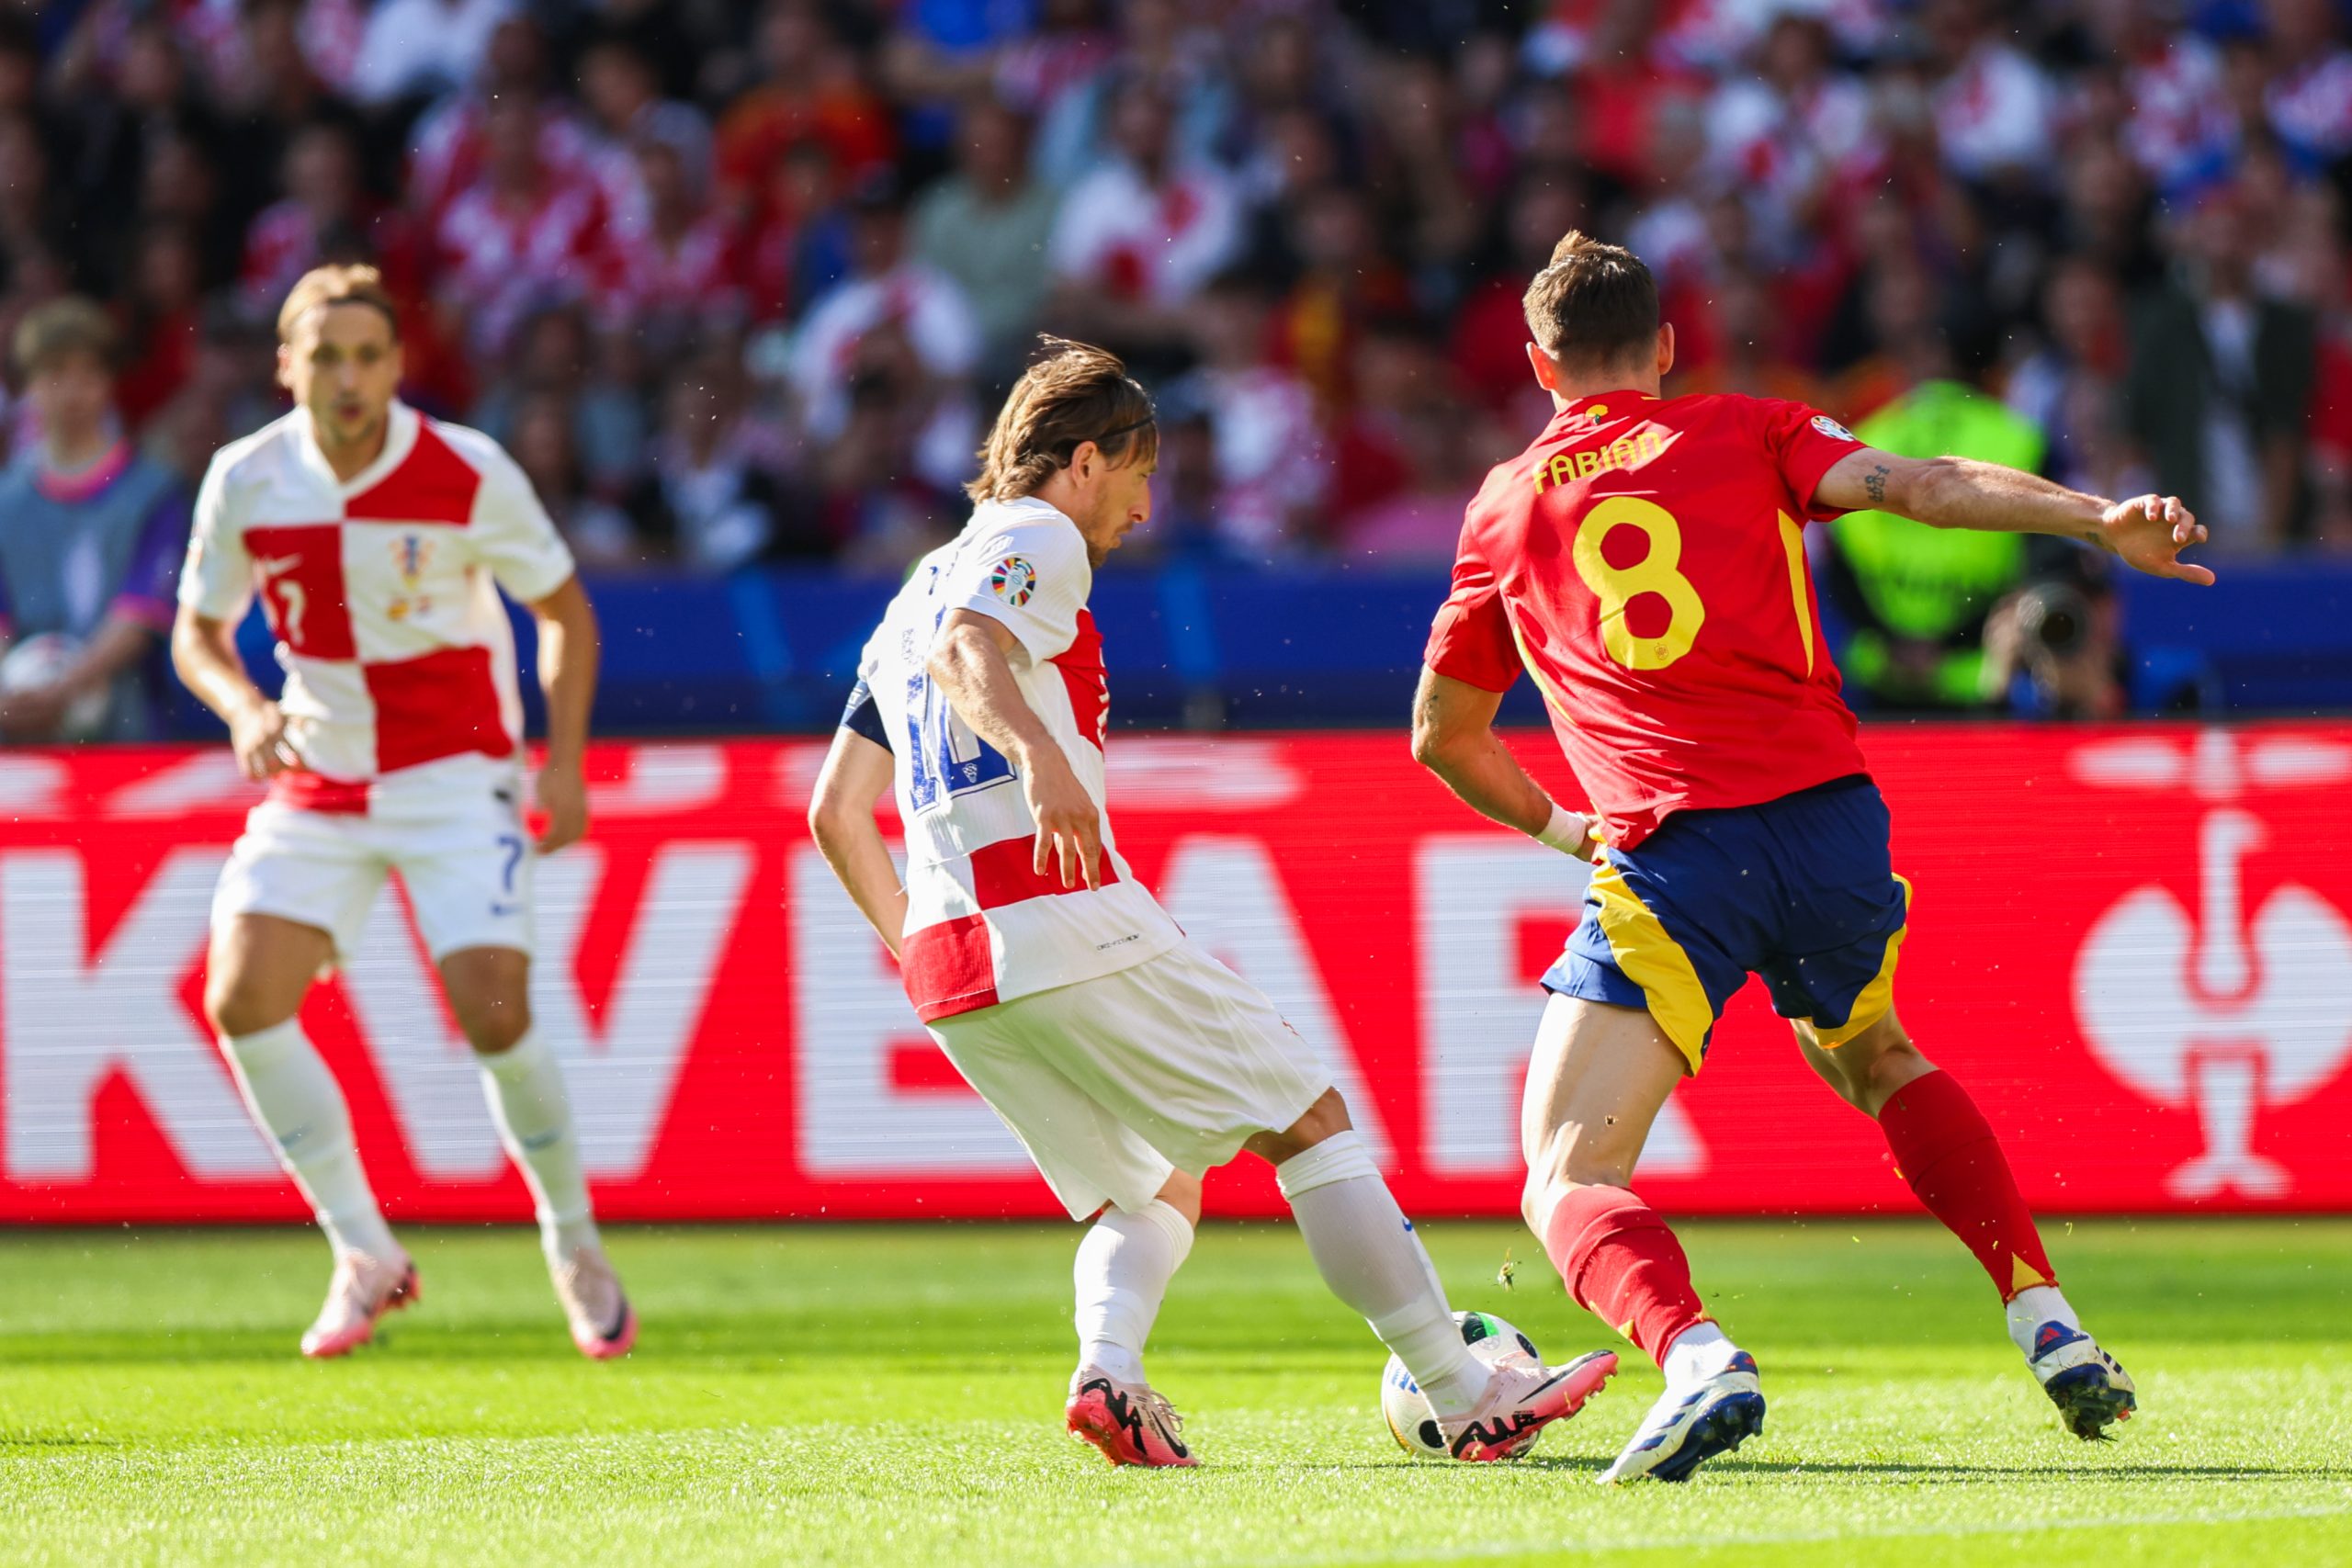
(2214, 1010)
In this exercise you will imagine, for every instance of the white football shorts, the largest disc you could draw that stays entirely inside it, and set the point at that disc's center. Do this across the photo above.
(462, 853)
(1116, 1082)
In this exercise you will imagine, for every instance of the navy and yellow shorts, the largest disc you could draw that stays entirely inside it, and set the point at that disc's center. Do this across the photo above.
(1798, 890)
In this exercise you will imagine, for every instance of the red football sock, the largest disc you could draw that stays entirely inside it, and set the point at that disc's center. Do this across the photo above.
(1619, 1261)
(1946, 1150)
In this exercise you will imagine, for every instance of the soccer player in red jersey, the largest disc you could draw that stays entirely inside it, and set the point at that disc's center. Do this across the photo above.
(1644, 559)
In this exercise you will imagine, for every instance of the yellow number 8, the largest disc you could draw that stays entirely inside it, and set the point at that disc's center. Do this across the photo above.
(1655, 572)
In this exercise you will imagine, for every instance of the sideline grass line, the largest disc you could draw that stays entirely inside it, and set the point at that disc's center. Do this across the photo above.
(1813, 1538)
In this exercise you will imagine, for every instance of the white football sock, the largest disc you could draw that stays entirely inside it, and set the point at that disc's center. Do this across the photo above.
(295, 1100)
(525, 1087)
(1696, 1354)
(1124, 1262)
(2032, 1307)
(1367, 1251)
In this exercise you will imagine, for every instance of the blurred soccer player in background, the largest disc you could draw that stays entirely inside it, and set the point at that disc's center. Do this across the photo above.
(375, 537)
(1645, 561)
(1126, 1059)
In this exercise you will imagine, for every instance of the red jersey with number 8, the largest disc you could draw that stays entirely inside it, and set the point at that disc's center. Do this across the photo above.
(1644, 559)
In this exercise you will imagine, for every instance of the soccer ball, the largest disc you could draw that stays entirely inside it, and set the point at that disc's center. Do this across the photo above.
(1410, 1420)
(40, 661)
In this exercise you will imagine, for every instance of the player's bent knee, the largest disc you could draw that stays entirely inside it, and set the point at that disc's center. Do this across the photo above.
(1182, 1192)
(238, 1008)
(489, 990)
(1327, 1118)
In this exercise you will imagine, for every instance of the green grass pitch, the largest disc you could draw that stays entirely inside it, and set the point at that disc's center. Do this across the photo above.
(836, 1396)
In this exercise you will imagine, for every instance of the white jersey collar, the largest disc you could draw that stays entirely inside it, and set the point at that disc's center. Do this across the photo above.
(401, 426)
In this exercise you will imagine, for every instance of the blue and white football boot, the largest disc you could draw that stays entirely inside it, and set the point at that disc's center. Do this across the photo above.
(2090, 1387)
(1686, 1428)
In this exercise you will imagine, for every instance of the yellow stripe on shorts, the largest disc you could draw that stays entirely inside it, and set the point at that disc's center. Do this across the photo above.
(1654, 962)
(1878, 996)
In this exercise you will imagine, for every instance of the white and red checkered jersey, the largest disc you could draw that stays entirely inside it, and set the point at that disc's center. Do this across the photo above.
(982, 926)
(399, 658)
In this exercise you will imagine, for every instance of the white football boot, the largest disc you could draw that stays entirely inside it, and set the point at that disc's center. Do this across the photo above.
(1524, 1398)
(361, 1291)
(2090, 1387)
(1686, 1428)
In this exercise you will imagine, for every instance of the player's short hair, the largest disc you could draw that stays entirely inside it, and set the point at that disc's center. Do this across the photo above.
(1072, 394)
(347, 284)
(1596, 304)
(70, 326)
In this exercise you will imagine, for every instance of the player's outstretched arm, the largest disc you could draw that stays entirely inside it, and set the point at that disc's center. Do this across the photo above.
(204, 652)
(567, 653)
(1453, 736)
(856, 777)
(2147, 532)
(968, 664)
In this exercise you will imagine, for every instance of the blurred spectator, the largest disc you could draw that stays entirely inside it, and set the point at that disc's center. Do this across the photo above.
(711, 501)
(628, 113)
(1163, 51)
(1142, 233)
(553, 360)
(886, 288)
(985, 226)
(450, 143)
(1273, 469)
(575, 201)
(798, 240)
(541, 439)
(2220, 383)
(812, 88)
(164, 315)
(2069, 386)
(91, 535)
(1991, 102)
(1915, 598)
(423, 48)
(324, 199)
(1421, 522)
(525, 234)
(670, 262)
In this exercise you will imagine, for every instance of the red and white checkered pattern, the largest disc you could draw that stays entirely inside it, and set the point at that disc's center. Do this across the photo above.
(982, 926)
(383, 594)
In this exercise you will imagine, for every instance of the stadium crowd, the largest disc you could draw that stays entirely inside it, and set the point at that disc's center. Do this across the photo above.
(737, 282)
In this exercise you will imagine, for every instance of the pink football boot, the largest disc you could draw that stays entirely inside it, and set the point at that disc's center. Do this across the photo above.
(604, 1325)
(1525, 1398)
(363, 1290)
(1129, 1422)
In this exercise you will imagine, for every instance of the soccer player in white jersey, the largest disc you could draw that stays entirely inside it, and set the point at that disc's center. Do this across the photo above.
(378, 540)
(1126, 1059)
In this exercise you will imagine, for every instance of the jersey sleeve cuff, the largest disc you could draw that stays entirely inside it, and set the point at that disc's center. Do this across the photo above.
(1811, 466)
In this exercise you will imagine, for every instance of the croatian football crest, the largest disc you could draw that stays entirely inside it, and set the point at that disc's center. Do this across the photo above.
(1013, 581)
(412, 553)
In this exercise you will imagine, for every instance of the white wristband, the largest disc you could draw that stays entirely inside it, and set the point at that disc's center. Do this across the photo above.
(1566, 832)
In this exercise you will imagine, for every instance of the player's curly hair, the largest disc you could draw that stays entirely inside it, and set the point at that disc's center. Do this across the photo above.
(1596, 304)
(1073, 393)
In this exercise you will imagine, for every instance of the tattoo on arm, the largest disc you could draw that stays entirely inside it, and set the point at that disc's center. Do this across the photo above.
(1874, 484)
